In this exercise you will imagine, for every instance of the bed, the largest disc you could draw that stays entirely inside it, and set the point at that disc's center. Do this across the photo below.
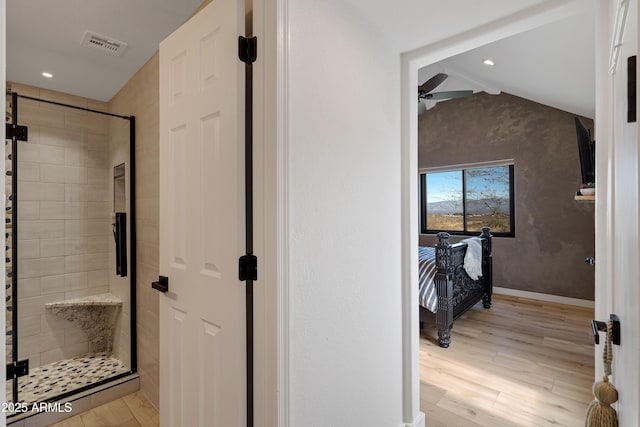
(446, 289)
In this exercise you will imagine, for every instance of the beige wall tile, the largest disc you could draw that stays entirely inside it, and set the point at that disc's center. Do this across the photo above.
(65, 352)
(97, 142)
(87, 244)
(34, 306)
(29, 326)
(52, 173)
(87, 193)
(52, 247)
(52, 284)
(99, 210)
(62, 137)
(41, 154)
(41, 267)
(62, 173)
(29, 210)
(99, 176)
(97, 159)
(30, 287)
(74, 157)
(76, 210)
(95, 123)
(87, 227)
(86, 292)
(78, 263)
(28, 249)
(98, 278)
(76, 175)
(32, 112)
(41, 191)
(52, 210)
(28, 171)
(30, 229)
(75, 281)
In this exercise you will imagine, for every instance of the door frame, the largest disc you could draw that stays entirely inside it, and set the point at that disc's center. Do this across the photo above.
(412, 61)
(271, 145)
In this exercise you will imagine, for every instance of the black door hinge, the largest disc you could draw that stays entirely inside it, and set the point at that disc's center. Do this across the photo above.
(248, 267)
(247, 49)
(17, 369)
(17, 131)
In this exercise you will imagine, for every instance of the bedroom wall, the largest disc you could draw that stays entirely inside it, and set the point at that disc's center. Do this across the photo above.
(554, 233)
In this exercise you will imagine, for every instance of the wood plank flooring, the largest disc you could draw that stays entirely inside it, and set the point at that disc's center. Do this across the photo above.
(133, 410)
(521, 363)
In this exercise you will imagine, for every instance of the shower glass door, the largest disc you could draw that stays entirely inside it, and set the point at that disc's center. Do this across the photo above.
(69, 311)
(11, 388)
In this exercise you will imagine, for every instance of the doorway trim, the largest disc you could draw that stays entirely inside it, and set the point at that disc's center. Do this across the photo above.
(411, 62)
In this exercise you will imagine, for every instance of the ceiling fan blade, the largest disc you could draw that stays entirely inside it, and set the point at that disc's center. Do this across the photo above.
(432, 83)
(422, 108)
(449, 94)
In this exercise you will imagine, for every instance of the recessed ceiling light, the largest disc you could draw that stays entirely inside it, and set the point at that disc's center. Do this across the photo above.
(488, 62)
(47, 75)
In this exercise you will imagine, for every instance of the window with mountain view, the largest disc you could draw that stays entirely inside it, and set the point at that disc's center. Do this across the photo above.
(462, 201)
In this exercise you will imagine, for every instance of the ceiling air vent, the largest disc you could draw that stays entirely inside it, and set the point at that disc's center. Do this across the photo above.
(103, 43)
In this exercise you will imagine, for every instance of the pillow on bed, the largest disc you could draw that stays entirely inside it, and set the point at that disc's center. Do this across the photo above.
(473, 257)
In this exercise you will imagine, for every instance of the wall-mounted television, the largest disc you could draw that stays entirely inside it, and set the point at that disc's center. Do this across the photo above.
(587, 152)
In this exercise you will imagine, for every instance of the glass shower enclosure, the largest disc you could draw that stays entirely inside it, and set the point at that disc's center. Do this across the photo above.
(70, 249)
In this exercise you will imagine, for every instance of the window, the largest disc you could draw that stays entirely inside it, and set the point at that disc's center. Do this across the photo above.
(463, 200)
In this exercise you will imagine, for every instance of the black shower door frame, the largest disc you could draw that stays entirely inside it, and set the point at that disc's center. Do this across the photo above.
(12, 366)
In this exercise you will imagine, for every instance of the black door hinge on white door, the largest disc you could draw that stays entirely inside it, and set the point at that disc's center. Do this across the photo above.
(248, 268)
(247, 49)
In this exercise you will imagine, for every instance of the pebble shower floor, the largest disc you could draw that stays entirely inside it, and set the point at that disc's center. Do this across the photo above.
(47, 381)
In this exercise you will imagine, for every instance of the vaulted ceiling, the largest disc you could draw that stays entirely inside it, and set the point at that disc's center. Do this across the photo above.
(552, 65)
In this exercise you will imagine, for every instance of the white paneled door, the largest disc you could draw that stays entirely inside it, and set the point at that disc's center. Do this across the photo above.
(202, 221)
(618, 199)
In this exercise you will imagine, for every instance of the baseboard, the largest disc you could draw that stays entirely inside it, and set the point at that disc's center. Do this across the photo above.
(544, 297)
(418, 422)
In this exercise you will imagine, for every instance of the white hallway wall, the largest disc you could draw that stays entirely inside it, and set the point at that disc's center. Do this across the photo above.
(344, 175)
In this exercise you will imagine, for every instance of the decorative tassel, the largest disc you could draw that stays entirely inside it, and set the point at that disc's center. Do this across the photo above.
(600, 413)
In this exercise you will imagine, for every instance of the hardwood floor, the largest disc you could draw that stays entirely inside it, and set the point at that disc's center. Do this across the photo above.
(133, 410)
(521, 363)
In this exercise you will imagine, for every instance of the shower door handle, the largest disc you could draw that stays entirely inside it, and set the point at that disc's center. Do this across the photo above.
(161, 285)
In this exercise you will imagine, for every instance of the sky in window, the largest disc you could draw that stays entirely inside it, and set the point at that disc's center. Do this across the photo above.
(443, 186)
(447, 186)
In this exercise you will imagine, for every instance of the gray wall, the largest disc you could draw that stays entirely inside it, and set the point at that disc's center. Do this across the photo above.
(554, 233)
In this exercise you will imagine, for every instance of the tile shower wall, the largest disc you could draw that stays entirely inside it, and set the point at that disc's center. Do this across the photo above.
(64, 223)
(139, 97)
(119, 286)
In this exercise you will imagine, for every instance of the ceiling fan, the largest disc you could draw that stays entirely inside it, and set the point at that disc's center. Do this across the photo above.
(424, 91)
